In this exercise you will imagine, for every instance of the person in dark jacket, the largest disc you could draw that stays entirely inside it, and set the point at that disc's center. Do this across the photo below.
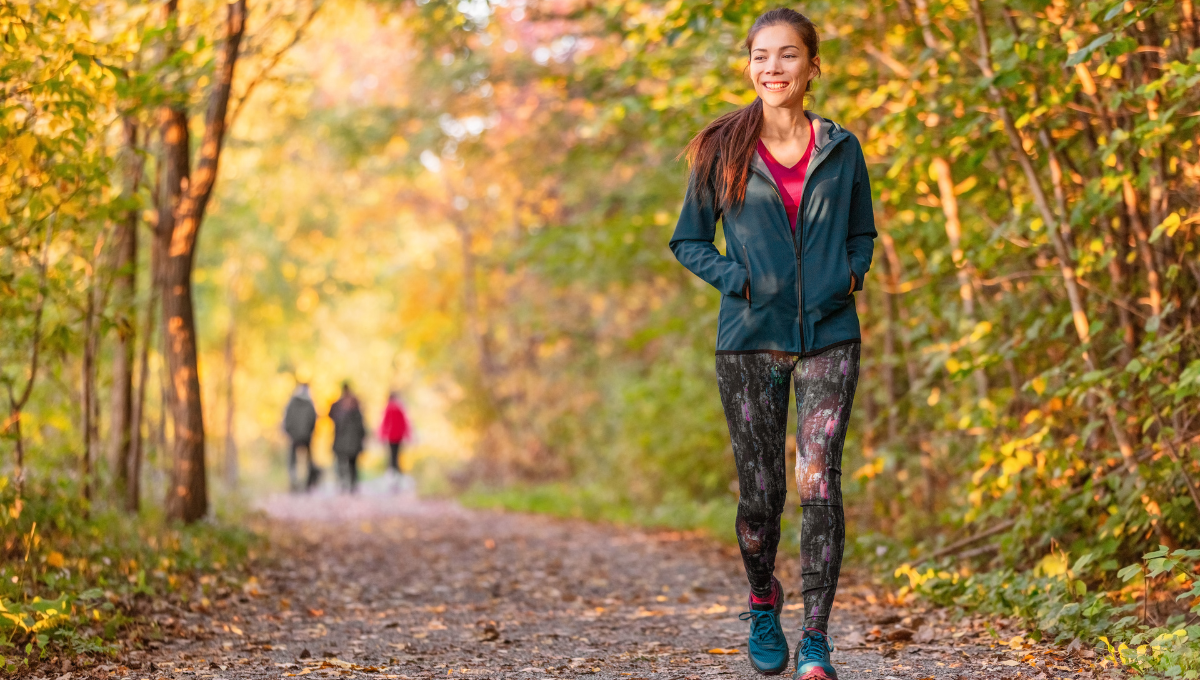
(299, 419)
(349, 431)
(791, 191)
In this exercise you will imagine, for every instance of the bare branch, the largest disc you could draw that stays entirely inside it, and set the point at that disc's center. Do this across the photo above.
(272, 63)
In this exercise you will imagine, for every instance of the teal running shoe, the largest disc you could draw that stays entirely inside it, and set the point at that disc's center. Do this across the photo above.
(812, 657)
(768, 645)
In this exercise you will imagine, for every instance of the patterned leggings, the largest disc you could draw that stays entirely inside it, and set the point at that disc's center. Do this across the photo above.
(754, 393)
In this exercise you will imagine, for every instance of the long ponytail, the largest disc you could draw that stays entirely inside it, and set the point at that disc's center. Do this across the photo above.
(720, 155)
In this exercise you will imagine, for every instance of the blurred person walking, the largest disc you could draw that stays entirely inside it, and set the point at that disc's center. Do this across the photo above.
(299, 419)
(349, 431)
(793, 196)
(394, 430)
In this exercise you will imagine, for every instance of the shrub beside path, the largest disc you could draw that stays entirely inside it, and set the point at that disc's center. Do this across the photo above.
(381, 586)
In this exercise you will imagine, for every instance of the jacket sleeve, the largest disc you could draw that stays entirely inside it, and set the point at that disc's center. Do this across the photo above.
(860, 241)
(693, 246)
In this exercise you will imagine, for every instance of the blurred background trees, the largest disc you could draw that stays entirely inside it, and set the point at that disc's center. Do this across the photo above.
(470, 202)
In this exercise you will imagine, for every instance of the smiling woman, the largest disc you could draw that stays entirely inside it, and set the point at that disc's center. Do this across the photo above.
(792, 192)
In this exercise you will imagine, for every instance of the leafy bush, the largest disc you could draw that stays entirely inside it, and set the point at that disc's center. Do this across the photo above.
(1088, 600)
(72, 576)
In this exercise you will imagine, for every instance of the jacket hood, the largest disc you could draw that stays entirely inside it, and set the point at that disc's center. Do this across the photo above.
(826, 131)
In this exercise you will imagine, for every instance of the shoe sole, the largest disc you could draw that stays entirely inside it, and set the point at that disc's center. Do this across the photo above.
(816, 674)
(761, 671)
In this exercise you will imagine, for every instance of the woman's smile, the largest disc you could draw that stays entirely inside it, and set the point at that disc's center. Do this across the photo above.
(775, 85)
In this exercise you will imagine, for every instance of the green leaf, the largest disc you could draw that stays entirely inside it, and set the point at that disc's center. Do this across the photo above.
(1160, 566)
(1128, 573)
(1120, 46)
(1082, 562)
(1081, 55)
(1114, 10)
(1169, 226)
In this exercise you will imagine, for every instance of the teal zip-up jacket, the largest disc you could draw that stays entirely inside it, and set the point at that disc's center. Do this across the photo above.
(800, 300)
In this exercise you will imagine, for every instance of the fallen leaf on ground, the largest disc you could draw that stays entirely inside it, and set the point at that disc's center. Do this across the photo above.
(722, 650)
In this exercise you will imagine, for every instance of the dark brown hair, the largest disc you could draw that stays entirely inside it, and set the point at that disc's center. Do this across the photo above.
(728, 143)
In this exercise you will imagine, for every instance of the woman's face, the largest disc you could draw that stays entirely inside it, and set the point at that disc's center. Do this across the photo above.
(780, 67)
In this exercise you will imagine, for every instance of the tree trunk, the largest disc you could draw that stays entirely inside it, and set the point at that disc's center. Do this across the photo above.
(88, 380)
(125, 318)
(231, 453)
(888, 366)
(17, 403)
(862, 303)
(187, 494)
(137, 454)
(894, 270)
(181, 212)
(1129, 195)
(945, 181)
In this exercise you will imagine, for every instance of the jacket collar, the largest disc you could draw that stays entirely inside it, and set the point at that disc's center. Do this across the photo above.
(826, 132)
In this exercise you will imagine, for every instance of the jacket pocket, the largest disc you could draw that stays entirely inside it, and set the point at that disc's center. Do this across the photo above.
(847, 290)
(749, 277)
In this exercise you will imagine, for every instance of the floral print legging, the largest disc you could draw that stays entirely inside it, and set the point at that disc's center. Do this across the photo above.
(754, 393)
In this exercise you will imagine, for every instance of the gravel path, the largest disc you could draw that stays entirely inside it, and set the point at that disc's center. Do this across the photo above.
(391, 587)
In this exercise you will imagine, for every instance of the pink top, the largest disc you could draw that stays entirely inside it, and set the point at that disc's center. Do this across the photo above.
(394, 428)
(789, 180)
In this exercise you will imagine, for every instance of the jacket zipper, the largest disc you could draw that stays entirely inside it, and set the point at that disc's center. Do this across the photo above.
(811, 171)
(750, 280)
(798, 246)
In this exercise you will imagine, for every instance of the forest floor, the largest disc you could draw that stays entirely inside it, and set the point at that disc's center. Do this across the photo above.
(386, 586)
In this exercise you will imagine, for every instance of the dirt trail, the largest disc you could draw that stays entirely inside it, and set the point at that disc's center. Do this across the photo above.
(387, 587)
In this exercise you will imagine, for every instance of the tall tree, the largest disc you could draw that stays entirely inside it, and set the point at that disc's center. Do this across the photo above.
(124, 310)
(182, 200)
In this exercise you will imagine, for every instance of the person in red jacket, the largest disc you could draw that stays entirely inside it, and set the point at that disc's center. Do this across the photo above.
(394, 430)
